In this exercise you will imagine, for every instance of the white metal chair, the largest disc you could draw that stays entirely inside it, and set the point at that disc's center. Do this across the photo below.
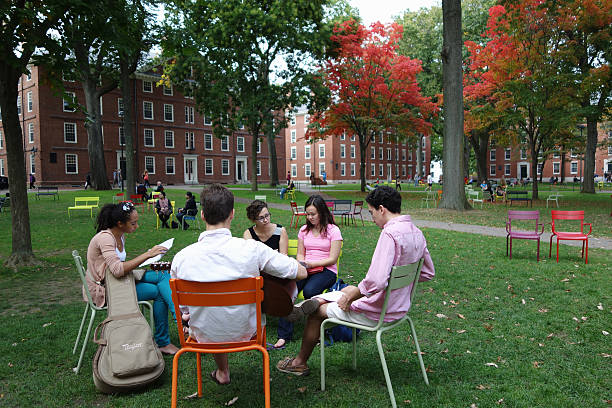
(430, 198)
(261, 198)
(474, 197)
(553, 197)
(400, 276)
(94, 309)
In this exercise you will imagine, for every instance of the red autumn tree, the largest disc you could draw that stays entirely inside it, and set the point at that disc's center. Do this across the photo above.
(372, 89)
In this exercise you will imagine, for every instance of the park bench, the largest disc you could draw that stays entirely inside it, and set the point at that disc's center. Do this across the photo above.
(512, 196)
(47, 190)
(85, 203)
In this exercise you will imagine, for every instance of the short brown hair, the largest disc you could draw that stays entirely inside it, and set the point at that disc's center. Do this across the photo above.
(217, 203)
(255, 208)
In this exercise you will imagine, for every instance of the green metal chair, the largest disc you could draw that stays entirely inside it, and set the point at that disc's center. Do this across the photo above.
(90, 305)
(400, 277)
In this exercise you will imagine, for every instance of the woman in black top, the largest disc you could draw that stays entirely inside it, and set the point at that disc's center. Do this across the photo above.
(273, 235)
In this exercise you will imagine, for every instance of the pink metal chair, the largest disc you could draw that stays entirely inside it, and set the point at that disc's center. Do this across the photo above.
(572, 235)
(519, 234)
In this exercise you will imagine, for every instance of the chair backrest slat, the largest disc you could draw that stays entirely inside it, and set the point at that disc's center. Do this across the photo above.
(81, 270)
(292, 250)
(401, 276)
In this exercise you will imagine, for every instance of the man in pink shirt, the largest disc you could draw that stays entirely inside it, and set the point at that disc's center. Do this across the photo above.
(400, 243)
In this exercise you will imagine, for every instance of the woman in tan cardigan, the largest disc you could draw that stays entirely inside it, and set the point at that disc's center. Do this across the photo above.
(107, 249)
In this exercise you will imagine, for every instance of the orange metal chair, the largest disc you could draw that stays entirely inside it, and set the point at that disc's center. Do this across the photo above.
(570, 236)
(296, 213)
(237, 292)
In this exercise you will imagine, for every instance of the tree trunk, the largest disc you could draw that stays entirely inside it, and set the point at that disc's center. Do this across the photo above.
(363, 146)
(453, 196)
(273, 161)
(128, 128)
(95, 147)
(588, 173)
(480, 143)
(466, 158)
(419, 171)
(534, 173)
(21, 253)
(563, 165)
(254, 139)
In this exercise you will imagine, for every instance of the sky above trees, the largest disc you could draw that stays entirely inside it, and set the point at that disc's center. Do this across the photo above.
(384, 10)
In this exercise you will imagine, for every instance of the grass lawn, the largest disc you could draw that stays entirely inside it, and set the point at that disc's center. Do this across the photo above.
(494, 331)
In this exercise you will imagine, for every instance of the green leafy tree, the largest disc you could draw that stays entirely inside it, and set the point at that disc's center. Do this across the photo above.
(245, 60)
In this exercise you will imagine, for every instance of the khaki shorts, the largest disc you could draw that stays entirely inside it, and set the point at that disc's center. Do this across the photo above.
(333, 310)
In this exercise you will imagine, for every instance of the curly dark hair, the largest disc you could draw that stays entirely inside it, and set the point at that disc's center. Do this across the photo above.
(386, 196)
(325, 217)
(253, 210)
(110, 215)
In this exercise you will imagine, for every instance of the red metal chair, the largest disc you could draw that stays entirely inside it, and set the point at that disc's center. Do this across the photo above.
(137, 200)
(237, 292)
(296, 213)
(570, 235)
(356, 210)
(515, 234)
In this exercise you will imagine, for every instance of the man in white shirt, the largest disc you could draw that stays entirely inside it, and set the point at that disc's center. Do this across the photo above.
(217, 256)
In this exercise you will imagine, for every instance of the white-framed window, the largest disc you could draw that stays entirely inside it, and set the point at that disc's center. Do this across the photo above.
(169, 139)
(397, 154)
(556, 167)
(372, 170)
(168, 90)
(306, 119)
(1, 140)
(258, 164)
(225, 167)
(147, 110)
(29, 75)
(293, 152)
(32, 164)
(294, 170)
(342, 169)
(258, 145)
(381, 138)
(149, 138)
(507, 153)
(492, 169)
(207, 120)
(409, 155)
(556, 154)
(170, 167)
(292, 119)
(572, 154)
(189, 114)
(372, 153)
(424, 142)
(321, 169)
(397, 170)
(609, 150)
(403, 154)
(293, 136)
(307, 171)
(67, 76)
(19, 105)
(574, 167)
(403, 170)
(208, 143)
(352, 138)
(352, 151)
(2, 167)
(240, 143)
(147, 86)
(168, 112)
(120, 107)
(150, 164)
(121, 136)
(343, 135)
(189, 141)
(307, 153)
(381, 153)
(381, 170)
(30, 133)
(389, 157)
(492, 155)
(71, 162)
(353, 169)
(539, 168)
(321, 151)
(342, 151)
(507, 170)
(225, 143)
(30, 101)
(69, 98)
(523, 154)
(70, 132)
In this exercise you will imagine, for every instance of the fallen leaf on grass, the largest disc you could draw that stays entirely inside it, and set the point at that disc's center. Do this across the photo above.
(468, 352)
(488, 327)
(231, 402)
(576, 319)
(500, 401)
(47, 324)
(605, 333)
(543, 310)
(606, 355)
(194, 395)
(483, 387)
(10, 364)
(600, 306)
(536, 364)
(407, 402)
(302, 389)
(441, 316)
(459, 315)
(492, 365)
(473, 406)
(444, 351)
(565, 280)
(461, 331)
(550, 336)
(14, 344)
(523, 301)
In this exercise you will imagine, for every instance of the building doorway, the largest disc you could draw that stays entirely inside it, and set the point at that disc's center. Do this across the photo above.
(241, 170)
(191, 169)
(523, 170)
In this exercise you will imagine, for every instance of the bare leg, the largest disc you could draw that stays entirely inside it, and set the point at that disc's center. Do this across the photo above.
(223, 374)
(310, 336)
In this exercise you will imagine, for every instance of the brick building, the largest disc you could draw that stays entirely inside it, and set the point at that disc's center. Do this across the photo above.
(339, 157)
(515, 162)
(172, 141)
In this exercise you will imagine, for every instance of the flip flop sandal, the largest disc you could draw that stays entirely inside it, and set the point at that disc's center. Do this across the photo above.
(213, 376)
(284, 366)
(270, 346)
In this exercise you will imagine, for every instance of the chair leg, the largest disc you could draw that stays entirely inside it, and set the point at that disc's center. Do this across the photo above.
(80, 328)
(354, 348)
(586, 252)
(383, 362)
(557, 249)
(510, 247)
(266, 375)
(507, 237)
(199, 373)
(418, 348)
(538, 253)
(85, 341)
(322, 345)
(175, 361)
(550, 246)
(582, 252)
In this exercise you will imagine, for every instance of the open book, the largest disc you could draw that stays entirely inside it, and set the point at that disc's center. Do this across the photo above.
(167, 244)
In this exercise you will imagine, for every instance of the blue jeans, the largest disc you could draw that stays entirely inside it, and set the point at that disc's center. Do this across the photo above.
(155, 285)
(313, 285)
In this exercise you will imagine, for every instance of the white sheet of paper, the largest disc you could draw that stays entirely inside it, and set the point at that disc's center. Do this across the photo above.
(167, 244)
(330, 296)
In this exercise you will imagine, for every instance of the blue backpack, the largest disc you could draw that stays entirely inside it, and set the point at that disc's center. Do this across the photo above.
(339, 332)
